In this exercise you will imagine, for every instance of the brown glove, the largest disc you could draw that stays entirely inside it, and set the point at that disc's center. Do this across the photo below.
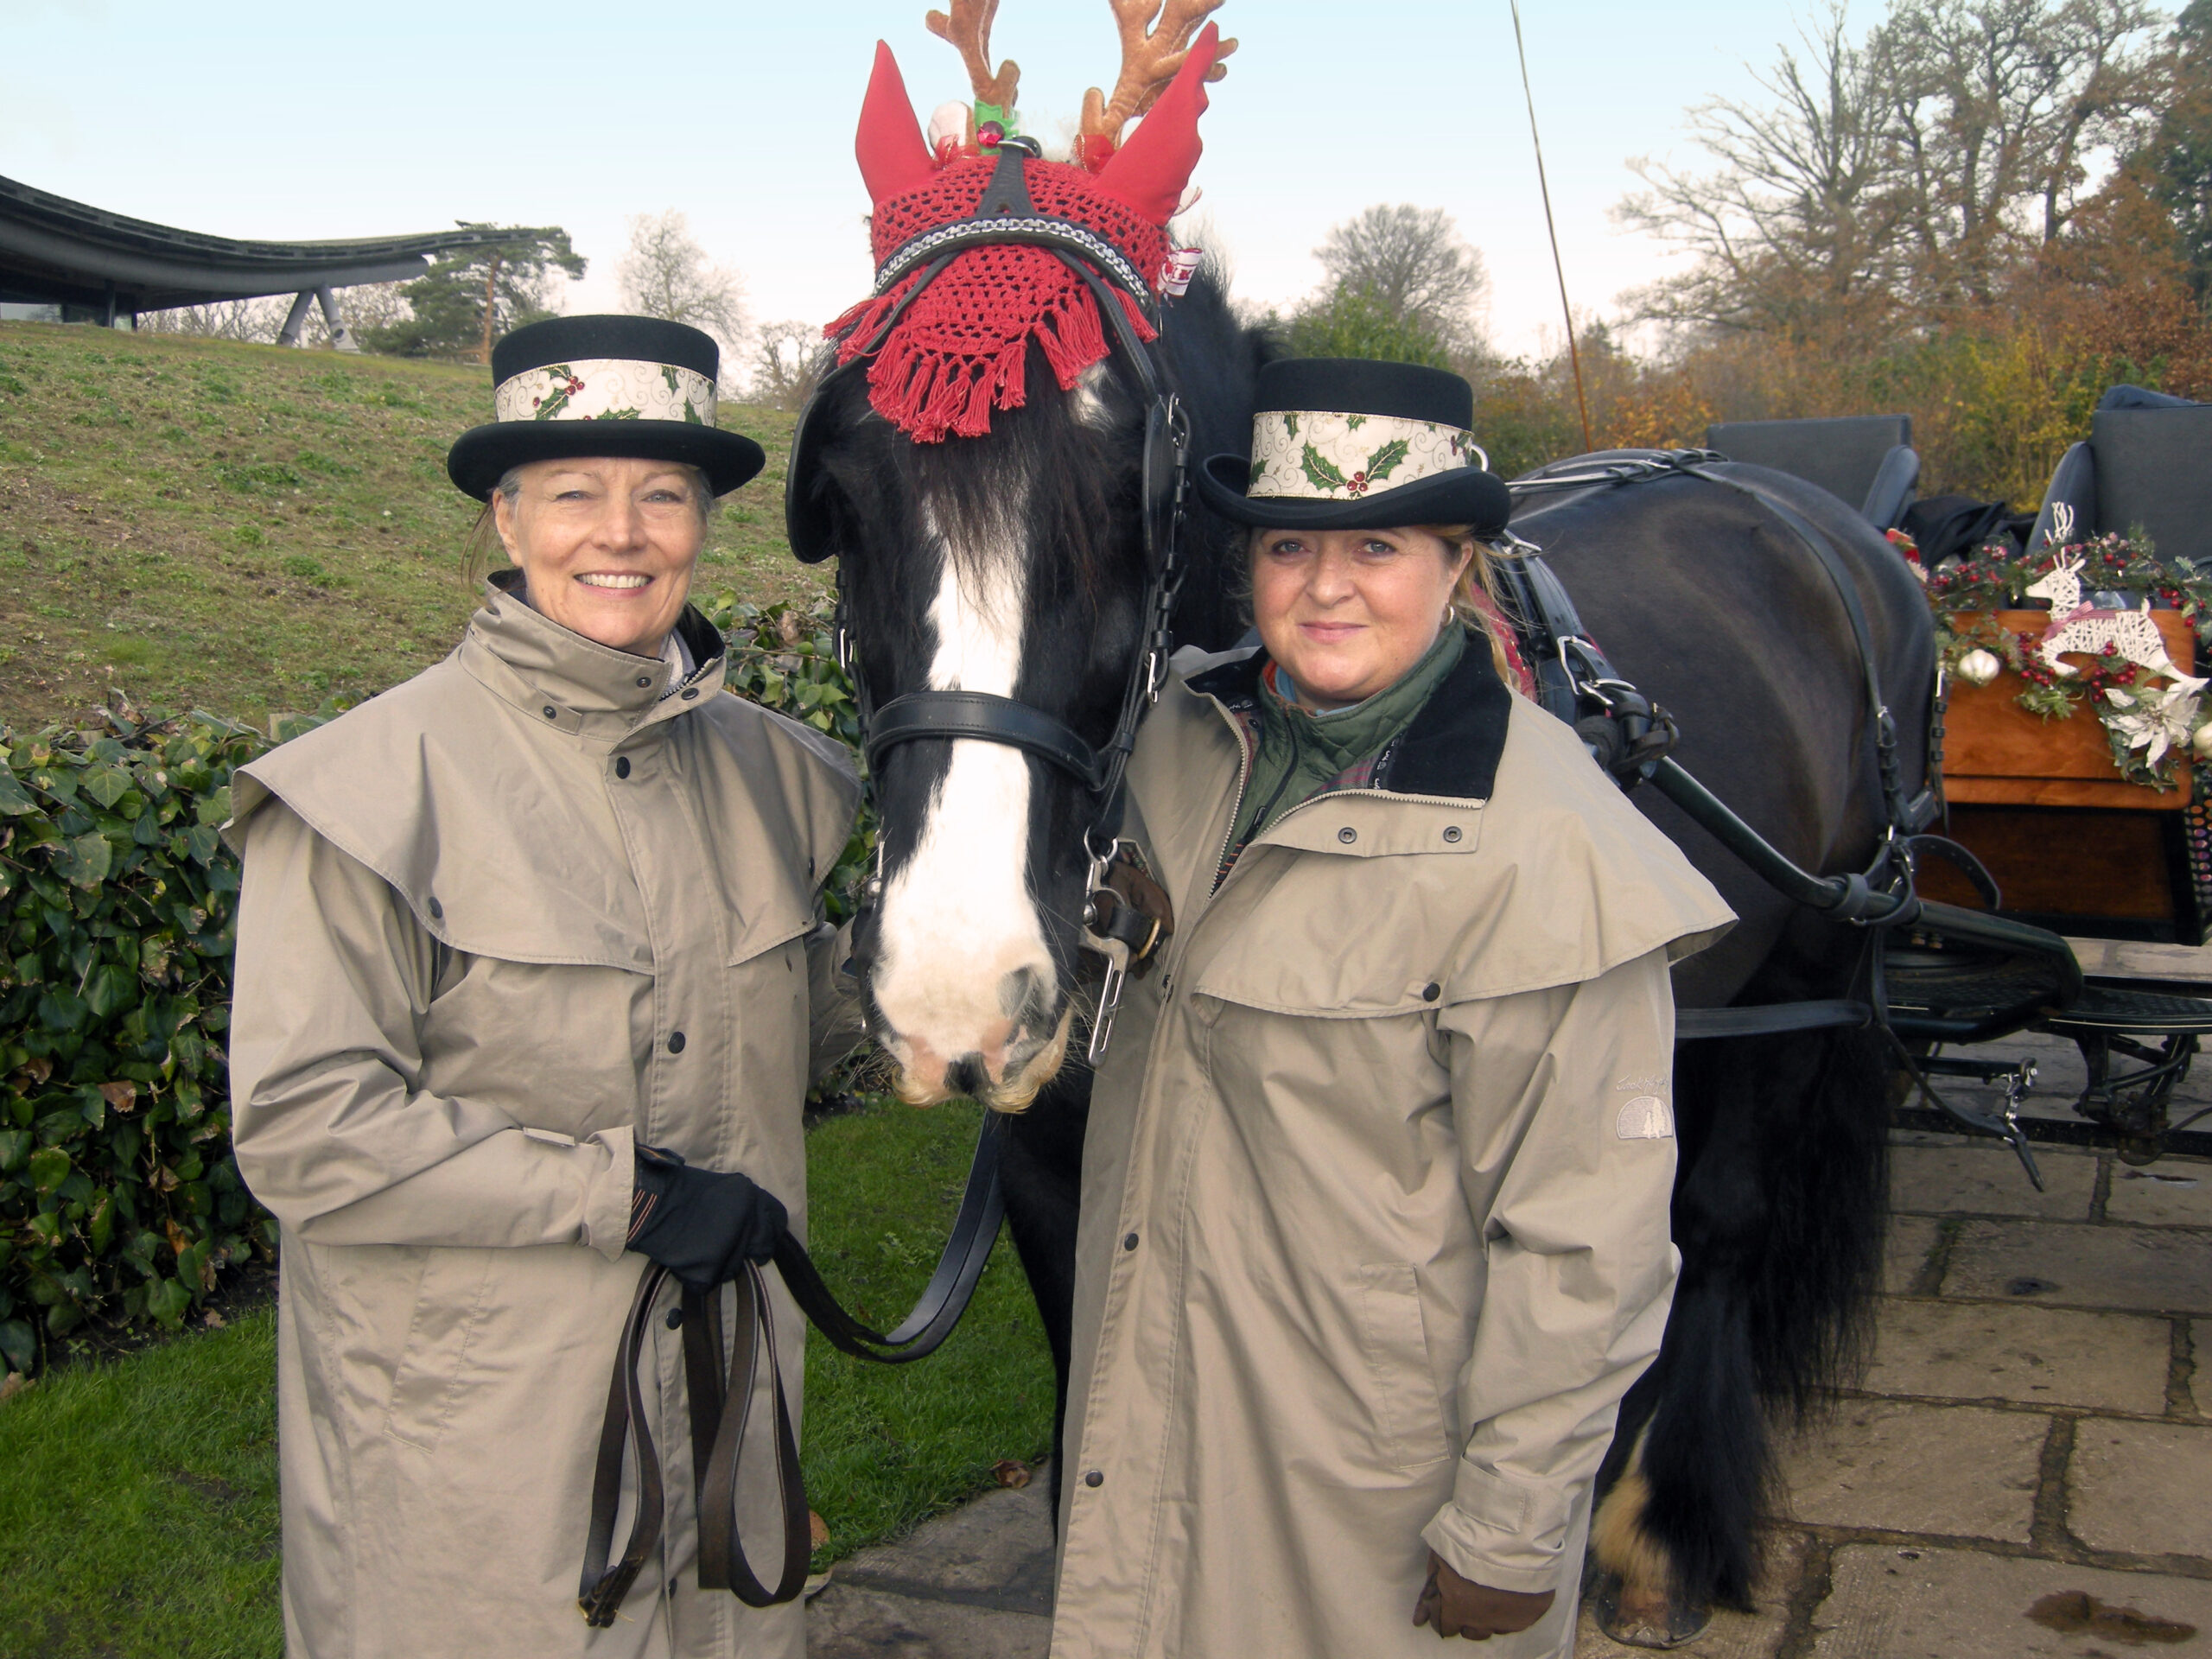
(1452, 1605)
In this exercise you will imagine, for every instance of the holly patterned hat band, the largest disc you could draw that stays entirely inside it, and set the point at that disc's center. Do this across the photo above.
(1348, 443)
(579, 389)
(1319, 455)
(606, 389)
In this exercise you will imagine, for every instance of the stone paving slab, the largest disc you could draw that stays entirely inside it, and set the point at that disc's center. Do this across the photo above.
(1905, 1250)
(1731, 1635)
(2142, 1488)
(2037, 1355)
(1886, 1603)
(2172, 1192)
(1989, 1181)
(2151, 1270)
(974, 1584)
(847, 1622)
(2200, 1385)
(1963, 1471)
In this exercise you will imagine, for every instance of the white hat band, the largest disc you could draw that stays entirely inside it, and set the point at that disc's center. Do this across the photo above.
(1317, 456)
(606, 389)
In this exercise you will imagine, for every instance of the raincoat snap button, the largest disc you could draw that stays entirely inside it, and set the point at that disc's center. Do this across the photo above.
(1452, 832)
(1347, 835)
(691, 693)
(437, 911)
(643, 680)
(1429, 993)
(622, 766)
(1096, 1478)
(675, 1318)
(675, 1042)
(551, 712)
(1130, 1242)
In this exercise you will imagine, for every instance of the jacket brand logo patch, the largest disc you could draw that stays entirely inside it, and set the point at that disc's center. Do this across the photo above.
(1645, 1118)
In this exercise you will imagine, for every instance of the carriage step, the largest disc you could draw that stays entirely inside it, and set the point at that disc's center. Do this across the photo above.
(1951, 994)
(2106, 1007)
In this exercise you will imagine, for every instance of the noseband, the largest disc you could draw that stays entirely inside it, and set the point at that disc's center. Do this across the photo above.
(1006, 215)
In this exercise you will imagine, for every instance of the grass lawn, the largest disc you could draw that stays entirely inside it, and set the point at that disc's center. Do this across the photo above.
(249, 528)
(138, 1497)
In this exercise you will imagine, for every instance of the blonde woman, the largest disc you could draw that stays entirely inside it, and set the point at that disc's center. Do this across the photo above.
(1375, 1209)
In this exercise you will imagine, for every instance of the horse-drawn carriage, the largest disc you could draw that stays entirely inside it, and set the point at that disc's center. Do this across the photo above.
(2081, 858)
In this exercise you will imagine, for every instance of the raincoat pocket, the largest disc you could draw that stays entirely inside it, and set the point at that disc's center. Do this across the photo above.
(1408, 1421)
(449, 1307)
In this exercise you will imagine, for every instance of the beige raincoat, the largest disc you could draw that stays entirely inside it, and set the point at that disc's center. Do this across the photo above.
(496, 923)
(1374, 1230)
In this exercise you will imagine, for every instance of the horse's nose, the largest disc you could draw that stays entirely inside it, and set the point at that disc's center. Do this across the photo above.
(1020, 994)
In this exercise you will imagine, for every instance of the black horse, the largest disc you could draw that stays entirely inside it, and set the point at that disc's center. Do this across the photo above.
(1013, 564)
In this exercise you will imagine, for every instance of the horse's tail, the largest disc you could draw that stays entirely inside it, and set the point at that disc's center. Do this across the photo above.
(1779, 1215)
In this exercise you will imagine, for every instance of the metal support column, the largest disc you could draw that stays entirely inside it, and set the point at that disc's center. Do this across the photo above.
(340, 335)
(296, 319)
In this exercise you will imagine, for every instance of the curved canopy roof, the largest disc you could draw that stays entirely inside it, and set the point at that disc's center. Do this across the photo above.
(57, 251)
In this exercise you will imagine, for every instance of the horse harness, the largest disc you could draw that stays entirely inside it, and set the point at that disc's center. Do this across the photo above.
(1127, 919)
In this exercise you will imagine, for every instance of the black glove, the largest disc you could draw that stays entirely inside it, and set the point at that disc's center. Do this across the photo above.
(701, 1225)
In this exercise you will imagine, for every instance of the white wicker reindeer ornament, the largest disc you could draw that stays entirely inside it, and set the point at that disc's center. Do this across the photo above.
(2076, 626)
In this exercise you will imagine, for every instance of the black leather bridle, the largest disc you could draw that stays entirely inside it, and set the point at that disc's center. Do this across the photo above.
(1006, 215)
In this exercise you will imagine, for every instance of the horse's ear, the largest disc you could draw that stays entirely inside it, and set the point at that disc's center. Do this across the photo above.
(893, 157)
(1150, 172)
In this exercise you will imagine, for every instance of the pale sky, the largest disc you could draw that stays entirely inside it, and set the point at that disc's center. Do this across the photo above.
(253, 119)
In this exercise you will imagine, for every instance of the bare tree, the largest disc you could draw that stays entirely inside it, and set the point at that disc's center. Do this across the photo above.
(248, 320)
(1901, 174)
(1414, 265)
(788, 362)
(666, 274)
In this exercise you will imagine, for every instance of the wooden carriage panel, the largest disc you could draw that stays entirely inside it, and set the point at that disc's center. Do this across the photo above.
(2062, 863)
(1997, 752)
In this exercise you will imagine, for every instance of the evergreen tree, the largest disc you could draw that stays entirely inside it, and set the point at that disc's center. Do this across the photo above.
(471, 295)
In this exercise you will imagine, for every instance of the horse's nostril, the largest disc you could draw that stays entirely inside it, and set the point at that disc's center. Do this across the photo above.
(1015, 991)
(966, 1076)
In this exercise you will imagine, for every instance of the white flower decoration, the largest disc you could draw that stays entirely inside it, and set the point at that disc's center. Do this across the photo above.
(2154, 724)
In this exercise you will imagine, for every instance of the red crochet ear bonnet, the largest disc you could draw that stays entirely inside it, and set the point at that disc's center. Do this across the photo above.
(958, 349)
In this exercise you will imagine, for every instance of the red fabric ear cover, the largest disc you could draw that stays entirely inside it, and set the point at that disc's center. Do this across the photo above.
(1151, 171)
(893, 158)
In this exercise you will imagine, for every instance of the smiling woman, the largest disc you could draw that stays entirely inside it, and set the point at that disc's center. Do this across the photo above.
(531, 981)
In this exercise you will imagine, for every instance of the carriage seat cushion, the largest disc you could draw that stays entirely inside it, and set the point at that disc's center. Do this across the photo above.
(1843, 456)
(2154, 474)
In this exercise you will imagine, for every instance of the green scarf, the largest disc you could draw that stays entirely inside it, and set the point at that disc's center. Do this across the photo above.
(1301, 753)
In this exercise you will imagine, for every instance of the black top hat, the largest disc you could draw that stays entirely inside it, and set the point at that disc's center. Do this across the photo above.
(1347, 443)
(575, 386)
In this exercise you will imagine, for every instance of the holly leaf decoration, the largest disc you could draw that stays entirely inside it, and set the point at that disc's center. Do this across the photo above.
(667, 374)
(1384, 461)
(1353, 422)
(692, 414)
(552, 404)
(619, 414)
(1320, 472)
(1290, 424)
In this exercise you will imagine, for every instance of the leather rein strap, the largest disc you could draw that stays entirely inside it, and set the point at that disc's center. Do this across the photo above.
(719, 1411)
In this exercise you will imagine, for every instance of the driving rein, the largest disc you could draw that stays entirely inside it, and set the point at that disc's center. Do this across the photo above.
(1125, 922)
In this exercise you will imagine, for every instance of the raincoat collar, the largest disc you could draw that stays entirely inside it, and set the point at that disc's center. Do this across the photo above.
(575, 685)
(1451, 749)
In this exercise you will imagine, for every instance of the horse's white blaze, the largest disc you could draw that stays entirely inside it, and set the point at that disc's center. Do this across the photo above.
(958, 918)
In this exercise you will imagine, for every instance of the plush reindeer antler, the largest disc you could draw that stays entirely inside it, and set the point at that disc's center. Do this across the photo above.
(1151, 54)
(969, 27)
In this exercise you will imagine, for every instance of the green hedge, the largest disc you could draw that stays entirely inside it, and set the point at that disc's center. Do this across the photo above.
(119, 1199)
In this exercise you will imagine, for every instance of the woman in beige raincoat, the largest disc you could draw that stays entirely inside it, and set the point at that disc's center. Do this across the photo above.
(1374, 1227)
(528, 955)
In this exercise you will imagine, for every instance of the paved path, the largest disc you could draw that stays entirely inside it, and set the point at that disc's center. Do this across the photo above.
(2026, 1470)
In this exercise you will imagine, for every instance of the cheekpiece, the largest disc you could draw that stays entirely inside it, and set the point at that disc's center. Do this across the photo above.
(573, 387)
(1346, 443)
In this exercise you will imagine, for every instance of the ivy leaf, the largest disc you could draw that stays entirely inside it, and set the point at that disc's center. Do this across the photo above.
(49, 1167)
(88, 861)
(18, 1346)
(15, 799)
(107, 785)
(14, 1146)
(1320, 472)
